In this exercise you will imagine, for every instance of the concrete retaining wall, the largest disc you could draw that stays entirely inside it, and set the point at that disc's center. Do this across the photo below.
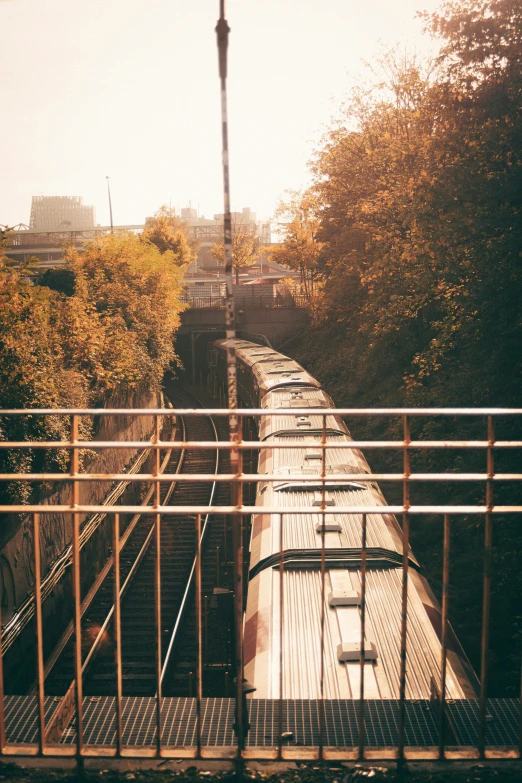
(17, 549)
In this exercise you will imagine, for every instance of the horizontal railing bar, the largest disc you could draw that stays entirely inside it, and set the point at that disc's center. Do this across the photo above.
(246, 510)
(253, 477)
(97, 445)
(261, 412)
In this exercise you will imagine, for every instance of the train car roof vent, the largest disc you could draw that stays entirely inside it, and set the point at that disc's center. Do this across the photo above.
(318, 499)
(330, 526)
(313, 456)
(303, 421)
(295, 402)
(344, 598)
(351, 651)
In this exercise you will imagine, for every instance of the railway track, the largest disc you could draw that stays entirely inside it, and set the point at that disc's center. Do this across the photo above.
(137, 563)
(216, 571)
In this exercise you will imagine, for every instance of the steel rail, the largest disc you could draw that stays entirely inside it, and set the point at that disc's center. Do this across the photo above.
(101, 576)
(190, 579)
(57, 724)
(26, 611)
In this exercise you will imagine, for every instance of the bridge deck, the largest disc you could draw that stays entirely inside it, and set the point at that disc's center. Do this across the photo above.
(300, 717)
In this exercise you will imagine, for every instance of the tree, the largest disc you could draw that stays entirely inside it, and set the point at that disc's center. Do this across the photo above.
(61, 280)
(132, 290)
(111, 330)
(33, 375)
(420, 193)
(299, 221)
(482, 39)
(167, 232)
(246, 247)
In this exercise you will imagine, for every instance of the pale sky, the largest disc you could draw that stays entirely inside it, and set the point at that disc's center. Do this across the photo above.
(129, 89)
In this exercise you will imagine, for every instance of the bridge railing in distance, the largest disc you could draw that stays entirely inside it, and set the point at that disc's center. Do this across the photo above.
(385, 674)
(248, 300)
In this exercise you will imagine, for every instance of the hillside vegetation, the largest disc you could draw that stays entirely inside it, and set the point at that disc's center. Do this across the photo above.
(104, 325)
(410, 246)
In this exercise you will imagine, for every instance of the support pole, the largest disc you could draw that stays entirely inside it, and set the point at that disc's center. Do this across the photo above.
(222, 30)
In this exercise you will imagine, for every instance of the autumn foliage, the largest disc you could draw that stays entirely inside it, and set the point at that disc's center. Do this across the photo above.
(417, 219)
(418, 197)
(105, 327)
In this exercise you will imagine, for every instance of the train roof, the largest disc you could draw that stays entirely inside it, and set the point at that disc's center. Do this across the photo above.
(342, 531)
(239, 344)
(251, 357)
(270, 375)
(304, 398)
(302, 453)
(293, 396)
(302, 631)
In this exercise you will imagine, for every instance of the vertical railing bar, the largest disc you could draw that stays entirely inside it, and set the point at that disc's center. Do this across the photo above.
(323, 579)
(242, 712)
(404, 597)
(117, 632)
(444, 635)
(199, 639)
(77, 591)
(520, 716)
(281, 629)
(205, 627)
(157, 578)
(363, 637)
(2, 705)
(486, 600)
(39, 633)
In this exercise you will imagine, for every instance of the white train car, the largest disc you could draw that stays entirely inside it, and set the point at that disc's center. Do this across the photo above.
(282, 649)
(259, 370)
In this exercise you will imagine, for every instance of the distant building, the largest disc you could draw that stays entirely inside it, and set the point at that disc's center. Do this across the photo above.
(209, 232)
(189, 213)
(59, 220)
(60, 213)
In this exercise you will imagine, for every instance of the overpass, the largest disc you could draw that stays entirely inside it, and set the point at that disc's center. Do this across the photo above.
(259, 316)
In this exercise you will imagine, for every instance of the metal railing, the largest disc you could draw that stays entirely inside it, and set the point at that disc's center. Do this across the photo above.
(324, 481)
(256, 299)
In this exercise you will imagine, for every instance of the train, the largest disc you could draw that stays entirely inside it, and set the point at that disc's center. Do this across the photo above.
(282, 655)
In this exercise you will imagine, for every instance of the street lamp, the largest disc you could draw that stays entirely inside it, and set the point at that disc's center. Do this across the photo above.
(110, 203)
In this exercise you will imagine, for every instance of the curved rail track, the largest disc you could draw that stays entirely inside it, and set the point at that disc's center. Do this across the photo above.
(138, 575)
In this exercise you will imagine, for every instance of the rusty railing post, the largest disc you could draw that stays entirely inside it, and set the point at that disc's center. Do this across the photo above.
(404, 597)
(444, 634)
(117, 631)
(363, 637)
(323, 586)
(486, 597)
(39, 632)
(157, 578)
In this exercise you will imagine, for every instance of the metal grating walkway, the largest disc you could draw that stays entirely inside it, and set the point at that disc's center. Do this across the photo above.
(301, 717)
(21, 717)
(503, 720)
